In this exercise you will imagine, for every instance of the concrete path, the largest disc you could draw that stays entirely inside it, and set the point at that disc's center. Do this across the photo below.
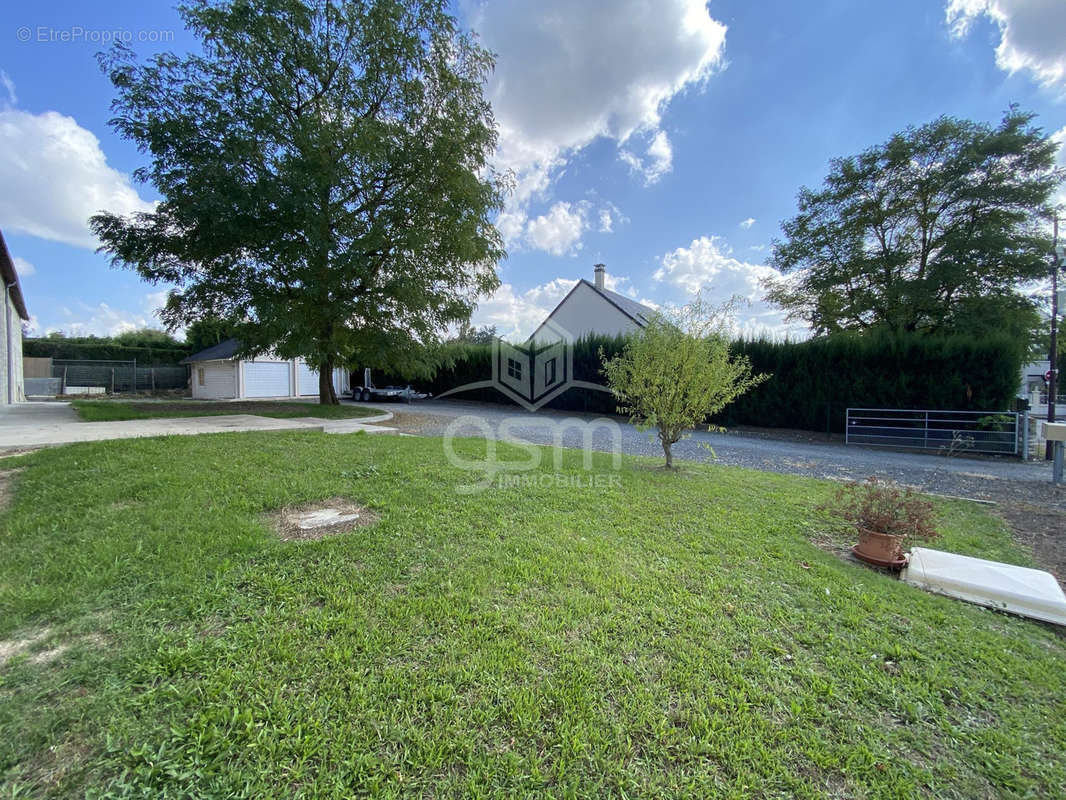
(27, 425)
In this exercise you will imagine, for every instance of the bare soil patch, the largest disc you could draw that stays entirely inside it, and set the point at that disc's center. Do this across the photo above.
(1040, 528)
(28, 640)
(50, 768)
(12, 647)
(6, 492)
(320, 519)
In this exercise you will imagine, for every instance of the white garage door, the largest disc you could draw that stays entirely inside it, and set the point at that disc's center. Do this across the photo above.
(214, 380)
(306, 380)
(266, 379)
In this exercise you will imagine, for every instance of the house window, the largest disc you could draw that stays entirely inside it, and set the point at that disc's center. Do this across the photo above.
(200, 375)
(514, 369)
(549, 372)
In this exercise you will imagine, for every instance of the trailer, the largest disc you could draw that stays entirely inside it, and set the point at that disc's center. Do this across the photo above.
(368, 392)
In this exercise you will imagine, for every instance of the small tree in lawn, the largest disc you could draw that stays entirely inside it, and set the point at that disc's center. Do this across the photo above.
(677, 371)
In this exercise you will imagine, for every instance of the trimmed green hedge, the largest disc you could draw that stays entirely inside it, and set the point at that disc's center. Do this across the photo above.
(103, 350)
(813, 381)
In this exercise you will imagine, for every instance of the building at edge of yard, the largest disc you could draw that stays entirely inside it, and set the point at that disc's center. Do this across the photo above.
(218, 374)
(592, 308)
(15, 313)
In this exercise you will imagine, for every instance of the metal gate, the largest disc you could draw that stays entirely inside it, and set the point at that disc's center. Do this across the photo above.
(948, 432)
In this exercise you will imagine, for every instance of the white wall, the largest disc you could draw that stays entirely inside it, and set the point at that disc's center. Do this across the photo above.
(11, 385)
(584, 312)
(226, 380)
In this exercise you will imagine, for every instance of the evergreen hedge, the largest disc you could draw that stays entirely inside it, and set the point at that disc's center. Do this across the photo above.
(101, 350)
(813, 381)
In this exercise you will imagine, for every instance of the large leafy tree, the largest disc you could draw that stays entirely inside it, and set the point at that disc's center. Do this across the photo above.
(936, 230)
(323, 172)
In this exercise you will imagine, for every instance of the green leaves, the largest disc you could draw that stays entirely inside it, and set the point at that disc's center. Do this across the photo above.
(324, 175)
(916, 233)
(676, 372)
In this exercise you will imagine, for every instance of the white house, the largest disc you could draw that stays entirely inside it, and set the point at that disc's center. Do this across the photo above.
(1035, 389)
(218, 374)
(592, 308)
(14, 313)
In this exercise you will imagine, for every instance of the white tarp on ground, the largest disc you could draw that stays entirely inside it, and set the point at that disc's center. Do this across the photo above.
(1019, 590)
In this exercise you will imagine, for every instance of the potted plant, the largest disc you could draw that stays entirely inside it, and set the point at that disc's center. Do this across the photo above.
(887, 517)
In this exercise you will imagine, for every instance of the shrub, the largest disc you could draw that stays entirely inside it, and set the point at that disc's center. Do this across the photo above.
(885, 507)
(677, 371)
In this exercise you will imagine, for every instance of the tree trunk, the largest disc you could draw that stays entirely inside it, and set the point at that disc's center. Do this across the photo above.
(326, 395)
(667, 445)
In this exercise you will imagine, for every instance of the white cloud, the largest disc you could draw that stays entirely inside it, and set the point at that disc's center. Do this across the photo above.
(747, 223)
(658, 161)
(548, 295)
(103, 319)
(516, 314)
(55, 176)
(23, 267)
(1059, 198)
(708, 266)
(1032, 34)
(569, 73)
(559, 231)
(9, 87)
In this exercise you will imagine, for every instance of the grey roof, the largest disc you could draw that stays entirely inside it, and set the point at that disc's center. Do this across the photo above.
(638, 312)
(11, 280)
(219, 352)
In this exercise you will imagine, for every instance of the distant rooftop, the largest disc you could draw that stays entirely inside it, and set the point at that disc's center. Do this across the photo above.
(219, 352)
(11, 280)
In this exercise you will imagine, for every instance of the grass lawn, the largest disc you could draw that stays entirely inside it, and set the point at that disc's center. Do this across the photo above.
(116, 410)
(674, 636)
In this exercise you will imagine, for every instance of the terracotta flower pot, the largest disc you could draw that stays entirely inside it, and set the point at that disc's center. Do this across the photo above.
(880, 549)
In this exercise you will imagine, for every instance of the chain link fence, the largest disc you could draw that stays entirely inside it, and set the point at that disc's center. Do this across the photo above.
(117, 377)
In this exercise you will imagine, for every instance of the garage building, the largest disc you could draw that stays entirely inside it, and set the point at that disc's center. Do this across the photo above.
(218, 374)
(14, 314)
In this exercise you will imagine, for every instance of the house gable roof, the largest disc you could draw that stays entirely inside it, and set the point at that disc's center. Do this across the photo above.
(219, 352)
(11, 280)
(638, 313)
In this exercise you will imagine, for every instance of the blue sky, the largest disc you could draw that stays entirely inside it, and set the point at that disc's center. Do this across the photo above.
(665, 138)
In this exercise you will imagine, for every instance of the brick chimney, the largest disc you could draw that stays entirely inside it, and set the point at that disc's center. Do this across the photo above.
(601, 273)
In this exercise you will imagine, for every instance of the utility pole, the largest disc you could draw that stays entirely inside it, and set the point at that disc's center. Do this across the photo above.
(1053, 355)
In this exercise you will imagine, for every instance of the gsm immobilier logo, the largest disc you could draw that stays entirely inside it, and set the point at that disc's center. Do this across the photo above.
(534, 373)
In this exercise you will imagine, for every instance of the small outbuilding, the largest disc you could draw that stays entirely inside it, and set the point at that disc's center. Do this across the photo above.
(219, 374)
(14, 314)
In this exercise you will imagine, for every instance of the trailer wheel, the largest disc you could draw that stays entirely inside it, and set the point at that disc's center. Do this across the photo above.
(365, 396)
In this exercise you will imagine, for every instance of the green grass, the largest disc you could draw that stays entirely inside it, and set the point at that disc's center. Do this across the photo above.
(117, 410)
(677, 635)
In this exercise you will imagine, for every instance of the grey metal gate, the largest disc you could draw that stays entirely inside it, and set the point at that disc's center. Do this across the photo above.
(935, 430)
